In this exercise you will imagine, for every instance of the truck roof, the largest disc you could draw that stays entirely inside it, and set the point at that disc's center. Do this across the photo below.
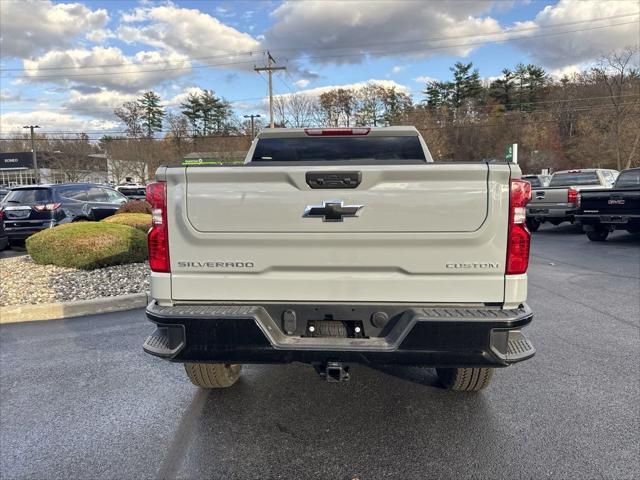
(399, 131)
(584, 170)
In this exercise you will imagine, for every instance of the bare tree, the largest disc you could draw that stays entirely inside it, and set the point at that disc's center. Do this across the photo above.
(178, 125)
(615, 71)
(130, 113)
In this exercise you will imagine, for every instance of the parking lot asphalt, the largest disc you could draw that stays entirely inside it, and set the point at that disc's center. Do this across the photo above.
(79, 398)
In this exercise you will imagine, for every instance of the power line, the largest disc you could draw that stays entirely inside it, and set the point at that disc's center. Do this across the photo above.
(469, 44)
(103, 107)
(107, 107)
(99, 74)
(457, 37)
(351, 45)
(123, 64)
(369, 52)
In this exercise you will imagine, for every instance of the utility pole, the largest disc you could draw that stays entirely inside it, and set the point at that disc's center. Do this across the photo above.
(270, 69)
(33, 151)
(253, 130)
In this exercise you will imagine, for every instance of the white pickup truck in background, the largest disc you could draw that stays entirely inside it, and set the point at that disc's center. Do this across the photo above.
(335, 246)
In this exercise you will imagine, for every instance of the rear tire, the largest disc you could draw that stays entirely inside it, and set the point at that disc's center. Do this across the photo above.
(599, 235)
(212, 375)
(465, 379)
(533, 224)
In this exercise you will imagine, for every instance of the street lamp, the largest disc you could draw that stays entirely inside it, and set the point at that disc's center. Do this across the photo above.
(33, 151)
(252, 123)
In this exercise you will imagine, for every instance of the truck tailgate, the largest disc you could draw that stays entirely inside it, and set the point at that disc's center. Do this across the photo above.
(424, 233)
(614, 202)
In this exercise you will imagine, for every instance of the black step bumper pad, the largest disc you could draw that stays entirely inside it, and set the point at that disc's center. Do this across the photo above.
(435, 336)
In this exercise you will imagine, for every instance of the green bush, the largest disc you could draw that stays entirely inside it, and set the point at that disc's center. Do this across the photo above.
(88, 245)
(141, 221)
(135, 206)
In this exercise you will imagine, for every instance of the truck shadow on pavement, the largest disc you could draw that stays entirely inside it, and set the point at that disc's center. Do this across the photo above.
(283, 421)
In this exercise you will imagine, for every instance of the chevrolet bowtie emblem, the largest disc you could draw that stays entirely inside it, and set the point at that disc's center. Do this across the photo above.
(332, 211)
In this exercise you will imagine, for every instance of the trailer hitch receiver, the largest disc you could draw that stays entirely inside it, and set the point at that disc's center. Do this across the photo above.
(333, 371)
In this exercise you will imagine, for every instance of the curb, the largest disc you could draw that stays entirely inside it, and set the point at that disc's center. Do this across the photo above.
(56, 311)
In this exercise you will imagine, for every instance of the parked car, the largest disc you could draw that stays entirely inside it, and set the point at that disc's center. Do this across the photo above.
(29, 209)
(557, 202)
(356, 247)
(133, 192)
(603, 211)
(537, 181)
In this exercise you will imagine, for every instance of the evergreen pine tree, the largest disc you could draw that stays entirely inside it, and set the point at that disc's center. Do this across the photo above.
(151, 113)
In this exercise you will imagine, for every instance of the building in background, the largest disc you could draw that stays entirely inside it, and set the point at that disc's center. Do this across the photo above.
(16, 168)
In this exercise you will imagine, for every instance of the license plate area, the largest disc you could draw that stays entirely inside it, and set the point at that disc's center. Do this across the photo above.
(538, 210)
(614, 219)
(334, 328)
(17, 213)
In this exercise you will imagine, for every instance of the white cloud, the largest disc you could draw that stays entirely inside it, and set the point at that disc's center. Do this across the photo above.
(317, 91)
(185, 31)
(11, 122)
(557, 51)
(181, 97)
(134, 16)
(262, 106)
(397, 69)
(302, 83)
(98, 104)
(8, 96)
(424, 79)
(568, 71)
(398, 28)
(100, 35)
(95, 67)
(29, 27)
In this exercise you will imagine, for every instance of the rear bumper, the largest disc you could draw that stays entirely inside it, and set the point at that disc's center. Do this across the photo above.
(446, 336)
(544, 212)
(25, 230)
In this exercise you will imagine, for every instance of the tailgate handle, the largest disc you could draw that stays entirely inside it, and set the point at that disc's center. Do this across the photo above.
(333, 179)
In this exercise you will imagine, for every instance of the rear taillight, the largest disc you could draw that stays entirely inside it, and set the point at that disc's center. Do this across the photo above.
(158, 237)
(572, 195)
(339, 132)
(1, 213)
(47, 207)
(519, 238)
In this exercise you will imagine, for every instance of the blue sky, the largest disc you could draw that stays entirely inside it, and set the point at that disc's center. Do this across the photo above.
(50, 49)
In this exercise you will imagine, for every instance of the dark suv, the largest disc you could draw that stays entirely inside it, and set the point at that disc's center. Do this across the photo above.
(27, 210)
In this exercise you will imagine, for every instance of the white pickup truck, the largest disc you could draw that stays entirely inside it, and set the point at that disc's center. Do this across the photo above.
(338, 246)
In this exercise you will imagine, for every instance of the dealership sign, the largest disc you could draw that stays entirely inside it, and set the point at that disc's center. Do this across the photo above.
(16, 160)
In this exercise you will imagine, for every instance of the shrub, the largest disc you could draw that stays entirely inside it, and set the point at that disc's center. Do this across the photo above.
(135, 206)
(141, 221)
(88, 245)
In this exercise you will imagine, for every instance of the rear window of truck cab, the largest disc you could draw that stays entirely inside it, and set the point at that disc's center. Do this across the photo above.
(345, 148)
(569, 179)
(534, 181)
(629, 179)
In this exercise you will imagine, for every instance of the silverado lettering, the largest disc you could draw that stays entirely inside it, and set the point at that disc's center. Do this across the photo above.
(216, 264)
